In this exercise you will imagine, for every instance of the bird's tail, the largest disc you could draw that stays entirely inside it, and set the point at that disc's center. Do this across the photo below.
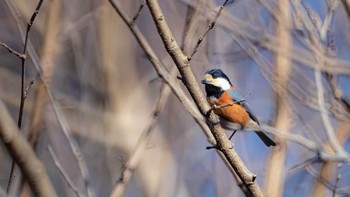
(265, 138)
(252, 125)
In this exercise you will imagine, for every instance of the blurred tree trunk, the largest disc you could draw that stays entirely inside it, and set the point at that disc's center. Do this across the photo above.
(275, 171)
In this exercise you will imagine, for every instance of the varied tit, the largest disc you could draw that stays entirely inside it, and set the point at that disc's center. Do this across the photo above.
(220, 92)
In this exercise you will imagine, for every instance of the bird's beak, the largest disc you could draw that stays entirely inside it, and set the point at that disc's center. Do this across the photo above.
(204, 81)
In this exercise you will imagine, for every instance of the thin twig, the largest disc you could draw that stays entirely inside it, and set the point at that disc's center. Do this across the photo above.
(74, 147)
(268, 41)
(19, 55)
(215, 107)
(23, 90)
(29, 26)
(138, 13)
(211, 25)
(63, 172)
(61, 120)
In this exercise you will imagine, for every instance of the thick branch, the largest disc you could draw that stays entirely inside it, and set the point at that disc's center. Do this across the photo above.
(24, 156)
(190, 82)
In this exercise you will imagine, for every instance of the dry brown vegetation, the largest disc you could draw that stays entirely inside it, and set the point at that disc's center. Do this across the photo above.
(112, 105)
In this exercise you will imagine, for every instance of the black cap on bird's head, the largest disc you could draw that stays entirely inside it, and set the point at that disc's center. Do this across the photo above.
(217, 73)
(215, 81)
(216, 78)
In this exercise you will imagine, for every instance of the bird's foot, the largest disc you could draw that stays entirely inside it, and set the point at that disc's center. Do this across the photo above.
(211, 147)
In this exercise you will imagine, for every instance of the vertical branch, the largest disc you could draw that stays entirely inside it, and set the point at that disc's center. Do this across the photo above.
(328, 168)
(49, 51)
(318, 51)
(275, 173)
(24, 52)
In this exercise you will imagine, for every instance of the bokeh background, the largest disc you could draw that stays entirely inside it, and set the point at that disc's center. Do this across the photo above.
(103, 90)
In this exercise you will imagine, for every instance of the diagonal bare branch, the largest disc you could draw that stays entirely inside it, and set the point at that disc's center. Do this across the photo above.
(24, 156)
(182, 63)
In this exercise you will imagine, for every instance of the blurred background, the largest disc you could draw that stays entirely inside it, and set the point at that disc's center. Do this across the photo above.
(95, 88)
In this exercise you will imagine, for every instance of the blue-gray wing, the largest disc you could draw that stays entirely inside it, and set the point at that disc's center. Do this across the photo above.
(236, 96)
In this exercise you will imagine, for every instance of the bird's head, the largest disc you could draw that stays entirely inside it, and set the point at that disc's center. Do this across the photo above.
(215, 78)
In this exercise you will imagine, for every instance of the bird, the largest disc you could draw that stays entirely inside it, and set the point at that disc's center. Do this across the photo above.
(230, 105)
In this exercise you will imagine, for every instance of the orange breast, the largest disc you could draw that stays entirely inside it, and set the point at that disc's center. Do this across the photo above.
(235, 113)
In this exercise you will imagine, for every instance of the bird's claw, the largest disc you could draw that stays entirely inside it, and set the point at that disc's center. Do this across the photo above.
(210, 147)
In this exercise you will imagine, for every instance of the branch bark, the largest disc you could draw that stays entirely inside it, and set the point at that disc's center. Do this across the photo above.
(182, 63)
(24, 156)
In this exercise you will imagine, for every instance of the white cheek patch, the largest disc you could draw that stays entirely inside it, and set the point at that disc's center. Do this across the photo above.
(223, 83)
